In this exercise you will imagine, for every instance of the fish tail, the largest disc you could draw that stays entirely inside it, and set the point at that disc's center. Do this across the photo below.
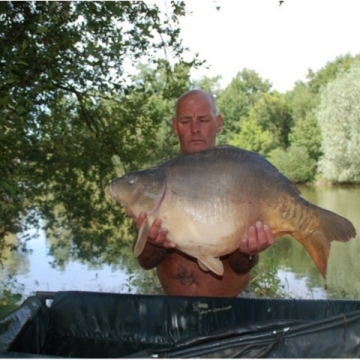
(335, 227)
(324, 228)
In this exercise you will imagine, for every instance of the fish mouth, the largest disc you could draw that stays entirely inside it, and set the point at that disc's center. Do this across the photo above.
(113, 195)
(150, 211)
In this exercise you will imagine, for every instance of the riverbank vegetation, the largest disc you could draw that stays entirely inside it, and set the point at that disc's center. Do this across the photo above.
(87, 92)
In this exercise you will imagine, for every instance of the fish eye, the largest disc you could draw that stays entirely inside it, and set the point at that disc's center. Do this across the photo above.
(131, 181)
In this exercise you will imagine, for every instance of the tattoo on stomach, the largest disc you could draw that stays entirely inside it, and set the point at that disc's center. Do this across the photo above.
(184, 276)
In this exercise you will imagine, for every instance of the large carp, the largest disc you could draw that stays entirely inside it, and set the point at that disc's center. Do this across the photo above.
(207, 200)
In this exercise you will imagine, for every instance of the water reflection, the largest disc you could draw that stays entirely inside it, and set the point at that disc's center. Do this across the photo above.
(50, 266)
(43, 275)
(58, 270)
(343, 279)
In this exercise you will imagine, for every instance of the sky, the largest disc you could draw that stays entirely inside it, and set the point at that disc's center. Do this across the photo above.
(280, 43)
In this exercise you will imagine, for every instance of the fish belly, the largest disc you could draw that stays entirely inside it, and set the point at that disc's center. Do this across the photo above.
(202, 230)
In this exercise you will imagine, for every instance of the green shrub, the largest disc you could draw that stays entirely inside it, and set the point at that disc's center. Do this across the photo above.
(294, 162)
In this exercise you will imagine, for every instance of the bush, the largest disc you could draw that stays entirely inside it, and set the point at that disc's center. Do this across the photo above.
(294, 162)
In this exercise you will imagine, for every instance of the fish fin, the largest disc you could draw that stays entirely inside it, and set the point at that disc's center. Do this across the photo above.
(202, 266)
(211, 263)
(335, 227)
(142, 238)
(318, 248)
(330, 227)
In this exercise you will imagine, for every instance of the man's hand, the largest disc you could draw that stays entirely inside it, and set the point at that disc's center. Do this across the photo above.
(155, 250)
(156, 234)
(260, 237)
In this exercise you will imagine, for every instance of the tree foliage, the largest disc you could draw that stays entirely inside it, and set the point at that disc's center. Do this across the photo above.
(267, 125)
(73, 115)
(210, 85)
(304, 100)
(306, 134)
(329, 72)
(272, 113)
(238, 98)
(339, 120)
(294, 162)
(253, 137)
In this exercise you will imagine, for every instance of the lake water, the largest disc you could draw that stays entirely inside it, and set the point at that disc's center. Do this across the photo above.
(298, 276)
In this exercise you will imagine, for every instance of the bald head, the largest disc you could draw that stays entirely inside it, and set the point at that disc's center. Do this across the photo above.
(196, 121)
(197, 94)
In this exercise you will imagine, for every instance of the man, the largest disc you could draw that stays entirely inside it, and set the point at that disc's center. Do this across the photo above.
(196, 123)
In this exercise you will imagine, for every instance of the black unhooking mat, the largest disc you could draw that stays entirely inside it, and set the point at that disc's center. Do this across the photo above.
(101, 325)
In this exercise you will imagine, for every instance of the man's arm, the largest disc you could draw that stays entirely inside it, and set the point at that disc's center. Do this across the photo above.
(242, 263)
(151, 256)
(260, 237)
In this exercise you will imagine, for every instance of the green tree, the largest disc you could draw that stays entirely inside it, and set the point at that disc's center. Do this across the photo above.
(305, 98)
(159, 81)
(238, 98)
(72, 119)
(339, 120)
(306, 134)
(301, 101)
(253, 137)
(273, 114)
(294, 162)
(330, 71)
(267, 125)
(210, 85)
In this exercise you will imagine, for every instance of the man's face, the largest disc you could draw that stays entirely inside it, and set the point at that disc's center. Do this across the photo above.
(196, 124)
